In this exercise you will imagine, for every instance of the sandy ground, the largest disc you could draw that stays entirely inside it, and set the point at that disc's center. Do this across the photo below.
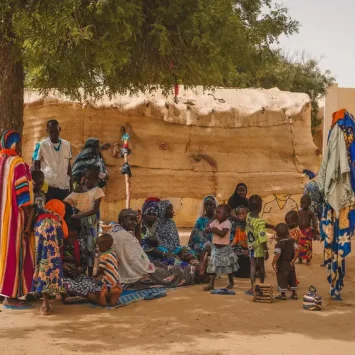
(190, 322)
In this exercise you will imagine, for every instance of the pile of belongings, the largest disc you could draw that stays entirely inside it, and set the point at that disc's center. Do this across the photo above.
(311, 300)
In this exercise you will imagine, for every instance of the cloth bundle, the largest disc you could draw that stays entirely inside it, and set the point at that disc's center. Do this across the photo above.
(311, 300)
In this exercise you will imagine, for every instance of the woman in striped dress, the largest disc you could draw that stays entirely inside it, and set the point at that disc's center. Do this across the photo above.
(17, 251)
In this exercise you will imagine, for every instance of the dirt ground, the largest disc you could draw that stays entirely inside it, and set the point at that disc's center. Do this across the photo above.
(190, 322)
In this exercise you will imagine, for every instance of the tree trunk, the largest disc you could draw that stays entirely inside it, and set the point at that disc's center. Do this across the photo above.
(11, 87)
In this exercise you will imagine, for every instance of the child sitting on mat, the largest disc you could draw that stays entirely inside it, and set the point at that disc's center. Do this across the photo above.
(286, 253)
(222, 260)
(107, 272)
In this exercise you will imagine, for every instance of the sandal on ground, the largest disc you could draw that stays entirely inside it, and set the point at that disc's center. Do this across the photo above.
(281, 298)
(294, 297)
(249, 293)
(46, 312)
(222, 291)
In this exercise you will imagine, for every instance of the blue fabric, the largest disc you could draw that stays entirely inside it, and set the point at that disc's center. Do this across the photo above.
(200, 238)
(336, 232)
(35, 152)
(347, 124)
(131, 296)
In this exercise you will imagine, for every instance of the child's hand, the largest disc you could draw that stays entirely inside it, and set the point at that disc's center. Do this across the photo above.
(208, 230)
(292, 264)
(274, 266)
(266, 255)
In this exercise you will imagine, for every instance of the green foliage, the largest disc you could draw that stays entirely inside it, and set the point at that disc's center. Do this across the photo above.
(111, 46)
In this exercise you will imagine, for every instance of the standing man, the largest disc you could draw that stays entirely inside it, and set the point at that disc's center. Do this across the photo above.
(52, 155)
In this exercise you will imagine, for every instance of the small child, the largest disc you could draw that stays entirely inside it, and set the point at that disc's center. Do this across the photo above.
(107, 272)
(257, 241)
(223, 260)
(87, 199)
(291, 220)
(38, 183)
(286, 253)
(240, 241)
(309, 227)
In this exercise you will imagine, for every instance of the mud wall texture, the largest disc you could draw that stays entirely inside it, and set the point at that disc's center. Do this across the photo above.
(204, 144)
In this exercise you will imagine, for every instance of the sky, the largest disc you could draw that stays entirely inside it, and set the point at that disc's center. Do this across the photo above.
(327, 33)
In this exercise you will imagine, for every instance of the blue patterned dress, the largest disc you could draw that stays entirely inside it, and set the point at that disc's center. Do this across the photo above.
(48, 274)
(199, 238)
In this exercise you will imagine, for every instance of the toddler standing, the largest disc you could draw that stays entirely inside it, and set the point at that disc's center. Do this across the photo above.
(257, 241)
(223, 260)
(87, 199)
(286, 253)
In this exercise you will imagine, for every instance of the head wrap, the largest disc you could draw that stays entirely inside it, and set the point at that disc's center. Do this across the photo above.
(166, 230)
(9, 139)
(209, 198)
(58, 208)
(236, 201)
(150, 206)
(86, 158)
(127, 212)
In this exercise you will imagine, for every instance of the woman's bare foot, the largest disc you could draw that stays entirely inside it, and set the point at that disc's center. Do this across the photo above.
(101, 297)
(115, 293)
(208, 288)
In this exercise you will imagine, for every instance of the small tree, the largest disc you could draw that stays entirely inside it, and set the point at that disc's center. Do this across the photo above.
(111, 46)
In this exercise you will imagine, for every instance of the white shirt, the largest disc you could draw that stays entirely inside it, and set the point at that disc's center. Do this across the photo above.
(55, 160)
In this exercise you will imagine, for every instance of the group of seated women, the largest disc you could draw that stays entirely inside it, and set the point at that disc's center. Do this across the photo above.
(149, 251)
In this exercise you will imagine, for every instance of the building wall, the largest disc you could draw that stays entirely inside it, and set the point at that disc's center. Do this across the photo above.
(336, 99)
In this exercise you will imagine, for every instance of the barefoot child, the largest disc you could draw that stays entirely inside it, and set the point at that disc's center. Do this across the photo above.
(107, 272)
(257, 241)
(223, 260)
(291, 220)
(308, 226)
(87, 199)
(286, 253)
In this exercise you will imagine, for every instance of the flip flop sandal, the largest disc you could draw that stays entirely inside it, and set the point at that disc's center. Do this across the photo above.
(18, 305)
(154, 296)
(249, 293)
(294, 297)
(44, 312)
(281, 298)
(222, 291)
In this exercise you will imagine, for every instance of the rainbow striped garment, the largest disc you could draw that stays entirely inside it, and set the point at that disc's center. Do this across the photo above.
(16, 251)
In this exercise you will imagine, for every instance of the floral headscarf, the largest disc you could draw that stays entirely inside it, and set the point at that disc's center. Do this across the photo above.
(151, 206)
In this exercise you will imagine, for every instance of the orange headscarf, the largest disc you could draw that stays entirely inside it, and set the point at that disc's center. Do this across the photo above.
(58, 207)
